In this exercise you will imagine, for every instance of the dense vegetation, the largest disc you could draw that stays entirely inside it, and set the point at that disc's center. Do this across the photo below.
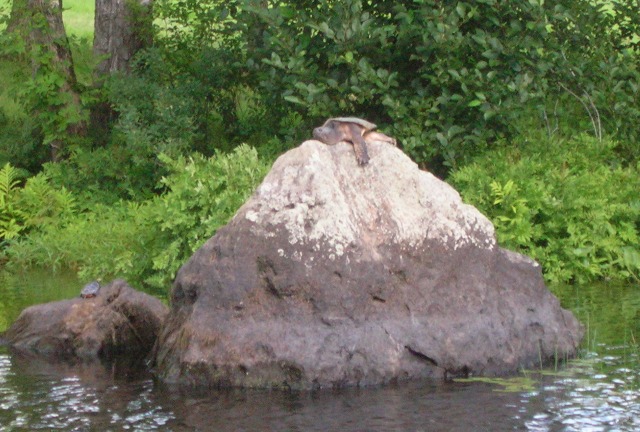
(568, 203)
(529, 107)
(145, 241)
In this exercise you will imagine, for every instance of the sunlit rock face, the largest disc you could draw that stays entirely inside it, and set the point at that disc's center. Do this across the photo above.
(117, 323)
(334, 274)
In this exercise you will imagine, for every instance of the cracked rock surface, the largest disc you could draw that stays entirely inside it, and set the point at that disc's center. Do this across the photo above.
(334, 274)
(119, 321)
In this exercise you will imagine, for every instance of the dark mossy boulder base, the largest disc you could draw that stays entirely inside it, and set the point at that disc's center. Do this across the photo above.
(117, 322)
(336, 274)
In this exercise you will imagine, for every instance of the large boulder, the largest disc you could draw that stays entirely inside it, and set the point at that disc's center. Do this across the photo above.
(334, 274)
(119, 321)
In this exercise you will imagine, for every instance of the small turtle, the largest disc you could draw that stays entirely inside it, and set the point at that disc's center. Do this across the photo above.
(90, 290)
(354, 130)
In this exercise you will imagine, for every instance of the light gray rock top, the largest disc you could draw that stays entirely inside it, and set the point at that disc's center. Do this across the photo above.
(319, 195)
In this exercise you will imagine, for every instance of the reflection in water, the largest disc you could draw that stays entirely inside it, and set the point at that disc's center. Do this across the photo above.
(20, 290)
(407, 407)
(593, 394)
(39, 395)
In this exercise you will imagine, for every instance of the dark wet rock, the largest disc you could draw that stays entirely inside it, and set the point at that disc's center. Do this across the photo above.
(117, 321)
(335, 274)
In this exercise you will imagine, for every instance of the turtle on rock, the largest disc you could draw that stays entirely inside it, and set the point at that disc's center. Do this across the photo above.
(90, 290)
(354, 130)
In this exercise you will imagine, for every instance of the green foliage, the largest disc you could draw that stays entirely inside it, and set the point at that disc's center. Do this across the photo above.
(168, 107)
(147, 242)
(10, 216)
(44, 205)
(594, 87)
(93, 239)
(20, 142)
(50, 94)
(107, 175)
(33, 207)
(569, 204)
(513, 216)
(204, 193)
(447, 78)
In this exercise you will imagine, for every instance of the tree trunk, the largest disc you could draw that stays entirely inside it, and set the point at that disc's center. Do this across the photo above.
(17, 16)
(55, 97)
(122, 28)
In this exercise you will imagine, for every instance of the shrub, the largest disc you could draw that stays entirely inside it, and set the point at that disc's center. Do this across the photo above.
(147, 242)
(11, 217)
(33, 207)
(173, 106)
(204, 193)
(451, 78)
(568, 203)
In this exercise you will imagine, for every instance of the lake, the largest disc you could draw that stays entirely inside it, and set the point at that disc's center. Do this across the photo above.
(600, 391)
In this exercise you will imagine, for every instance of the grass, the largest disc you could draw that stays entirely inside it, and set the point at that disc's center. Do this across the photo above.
(77, 16)
(78, 21)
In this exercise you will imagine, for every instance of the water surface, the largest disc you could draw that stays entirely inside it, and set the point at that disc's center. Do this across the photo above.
(598, 392)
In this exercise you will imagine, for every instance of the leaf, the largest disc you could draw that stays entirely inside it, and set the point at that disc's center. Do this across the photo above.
(287, 12)
(348, 56)
(454, 130)
(294, 99)
(631, 258)
(455, 74)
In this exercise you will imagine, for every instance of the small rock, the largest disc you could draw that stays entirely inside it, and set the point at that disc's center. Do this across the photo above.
(120, 321)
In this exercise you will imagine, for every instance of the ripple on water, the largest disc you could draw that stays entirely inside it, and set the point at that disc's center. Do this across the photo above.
(584, 397)
(596, 399)
(55, 399)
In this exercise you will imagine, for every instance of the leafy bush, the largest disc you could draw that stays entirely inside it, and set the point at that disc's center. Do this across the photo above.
(172, 108)
(593, 71)
(568, 203)
(33, 207)
(11, 217)
(204, 193)
(147, 242)
(448, 74)
(20, 141)
(447, 78)
(44, 205)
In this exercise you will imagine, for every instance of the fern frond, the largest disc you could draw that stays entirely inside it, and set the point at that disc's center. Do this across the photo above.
(8, 179)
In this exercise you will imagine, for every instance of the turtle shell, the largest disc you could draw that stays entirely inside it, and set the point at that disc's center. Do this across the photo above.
(90, 290)
(368, 126)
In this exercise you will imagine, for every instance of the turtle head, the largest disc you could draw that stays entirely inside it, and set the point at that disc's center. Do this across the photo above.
(329, 133)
